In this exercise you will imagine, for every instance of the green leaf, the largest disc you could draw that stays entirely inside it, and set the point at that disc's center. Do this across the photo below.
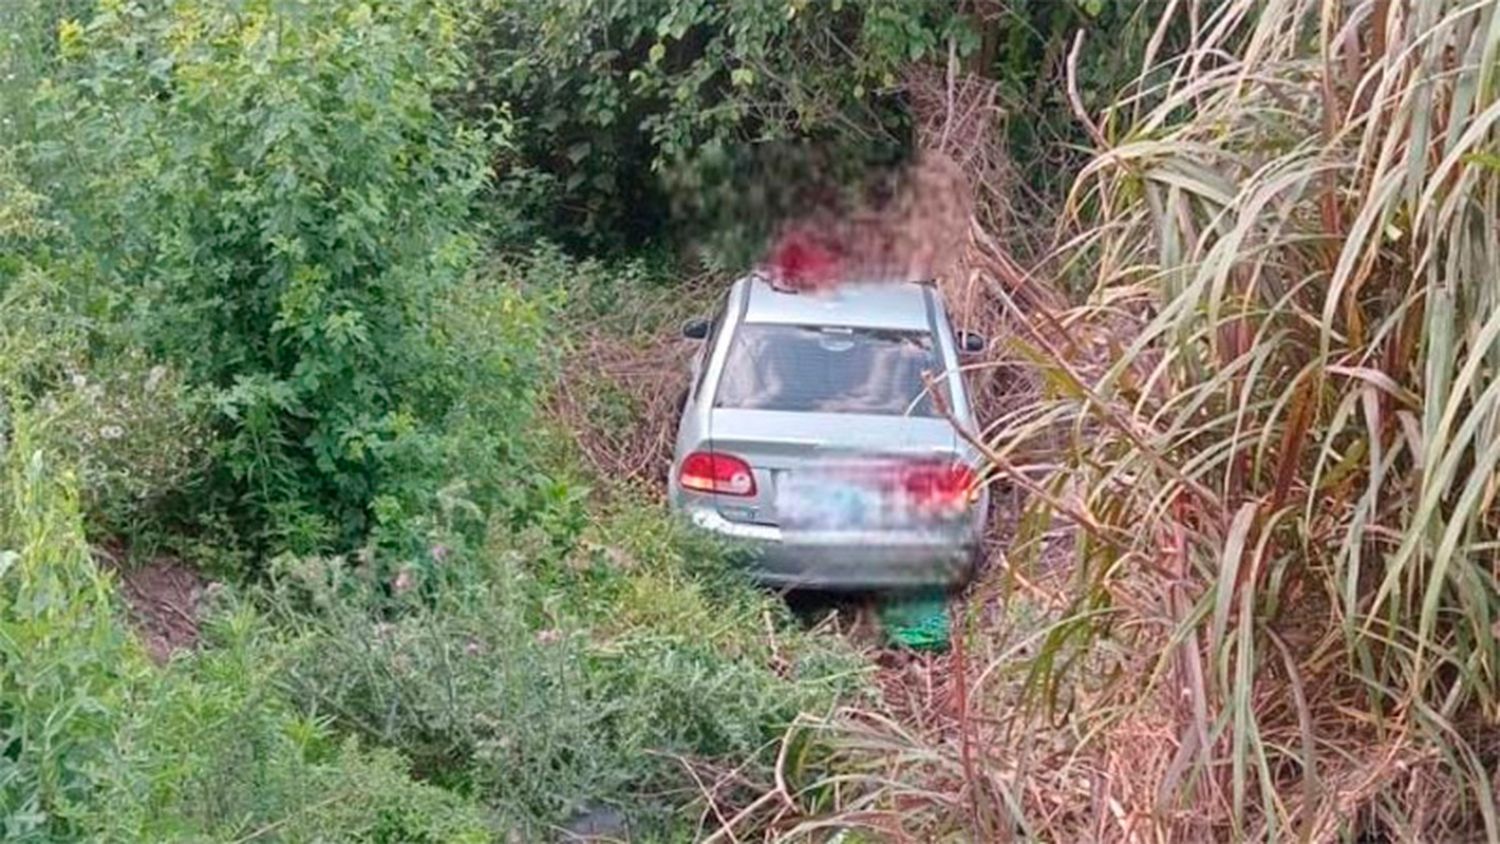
(1483, 159)
(1229, 570)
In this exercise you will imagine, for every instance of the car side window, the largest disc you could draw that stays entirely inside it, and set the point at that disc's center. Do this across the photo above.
(708, 344)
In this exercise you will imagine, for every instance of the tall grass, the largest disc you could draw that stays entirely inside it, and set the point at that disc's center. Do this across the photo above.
(1275, 428)
(1308, 209)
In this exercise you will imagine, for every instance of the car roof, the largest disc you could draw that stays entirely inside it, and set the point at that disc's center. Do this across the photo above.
(900, 306)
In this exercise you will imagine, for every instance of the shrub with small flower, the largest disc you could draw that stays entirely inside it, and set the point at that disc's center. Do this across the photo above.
(135, 436)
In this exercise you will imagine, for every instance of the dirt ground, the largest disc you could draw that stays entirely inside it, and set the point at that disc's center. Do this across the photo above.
(164, 598)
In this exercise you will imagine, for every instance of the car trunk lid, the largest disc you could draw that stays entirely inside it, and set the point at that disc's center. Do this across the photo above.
(811, 468)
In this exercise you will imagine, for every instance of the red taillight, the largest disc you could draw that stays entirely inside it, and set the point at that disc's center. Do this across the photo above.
(938, 484)
(706, 471)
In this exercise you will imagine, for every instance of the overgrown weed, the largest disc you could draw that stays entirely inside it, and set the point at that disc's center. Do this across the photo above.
(546, 679)
(101, 746)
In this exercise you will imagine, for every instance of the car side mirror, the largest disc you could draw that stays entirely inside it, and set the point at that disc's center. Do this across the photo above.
(695, 329)
(970, 343)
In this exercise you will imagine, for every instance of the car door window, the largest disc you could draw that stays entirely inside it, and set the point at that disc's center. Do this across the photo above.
(707, 353)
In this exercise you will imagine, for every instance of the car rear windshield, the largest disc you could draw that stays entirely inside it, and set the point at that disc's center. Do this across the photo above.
(827, 370)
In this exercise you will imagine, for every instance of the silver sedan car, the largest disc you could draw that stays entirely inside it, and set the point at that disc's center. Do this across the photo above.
(809, 436)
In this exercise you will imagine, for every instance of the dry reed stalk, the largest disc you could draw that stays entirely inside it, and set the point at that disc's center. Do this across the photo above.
(622, 385)
(619, 399)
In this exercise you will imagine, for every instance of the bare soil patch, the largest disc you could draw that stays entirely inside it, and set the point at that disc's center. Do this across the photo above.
(164, 598)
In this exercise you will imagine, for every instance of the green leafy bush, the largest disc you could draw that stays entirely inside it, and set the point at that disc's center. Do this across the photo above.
(458, 686)
(610, 98)
(638, 123)
(221, 754)
(96, 745)
(66, 667)
(243, 306)
(268, 198)
(549, 679)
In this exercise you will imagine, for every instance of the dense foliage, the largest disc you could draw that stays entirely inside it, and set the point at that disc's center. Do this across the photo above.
(99, 745)
(268, 200)
(252, 321)
(285, 286)
(637, 123)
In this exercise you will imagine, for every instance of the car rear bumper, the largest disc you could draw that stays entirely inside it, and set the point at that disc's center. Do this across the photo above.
(848, 560)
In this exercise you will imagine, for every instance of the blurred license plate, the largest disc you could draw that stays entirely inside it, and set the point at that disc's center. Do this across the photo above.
(828, 502)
